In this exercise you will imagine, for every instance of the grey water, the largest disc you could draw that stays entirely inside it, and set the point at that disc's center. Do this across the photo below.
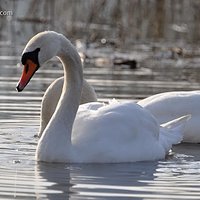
(21, 177)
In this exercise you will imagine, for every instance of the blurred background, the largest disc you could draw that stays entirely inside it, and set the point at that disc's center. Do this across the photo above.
(120, 22)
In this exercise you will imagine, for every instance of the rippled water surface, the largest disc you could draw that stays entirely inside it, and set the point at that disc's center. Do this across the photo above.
(177, 177)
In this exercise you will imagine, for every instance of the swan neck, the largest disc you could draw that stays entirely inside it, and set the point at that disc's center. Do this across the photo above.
(62, 120)
(59, 128)
(72, 86)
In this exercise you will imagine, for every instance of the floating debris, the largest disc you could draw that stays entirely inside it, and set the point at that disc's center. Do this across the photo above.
(16, 161)
(131, 63)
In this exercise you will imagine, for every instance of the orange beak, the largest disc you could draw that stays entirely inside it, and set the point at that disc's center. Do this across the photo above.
(29, 70)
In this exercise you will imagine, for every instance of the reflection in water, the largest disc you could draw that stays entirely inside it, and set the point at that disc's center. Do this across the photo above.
(90, 180)
(21, 177)
(57, 179)
(173, 179)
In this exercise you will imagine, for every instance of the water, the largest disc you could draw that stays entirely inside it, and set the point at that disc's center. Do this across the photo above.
(21, 177)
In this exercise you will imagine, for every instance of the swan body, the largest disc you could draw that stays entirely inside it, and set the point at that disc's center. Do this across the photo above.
(169, 105)
(52, 96)
(93, 132)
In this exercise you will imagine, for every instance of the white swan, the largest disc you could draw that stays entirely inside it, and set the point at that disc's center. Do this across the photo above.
(52, 96)
(119, 132)
(169, 105)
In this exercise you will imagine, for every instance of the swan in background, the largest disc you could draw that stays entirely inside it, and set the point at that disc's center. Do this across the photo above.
(52, 96)
(169, 105)
(93, 132)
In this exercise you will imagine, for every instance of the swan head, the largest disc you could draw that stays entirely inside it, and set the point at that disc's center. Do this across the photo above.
(41, 48)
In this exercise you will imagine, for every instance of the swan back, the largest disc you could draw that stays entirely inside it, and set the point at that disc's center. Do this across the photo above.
(170, 105)
(119, 132)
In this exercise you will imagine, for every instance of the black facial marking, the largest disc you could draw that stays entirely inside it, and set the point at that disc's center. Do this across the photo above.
(32, 55)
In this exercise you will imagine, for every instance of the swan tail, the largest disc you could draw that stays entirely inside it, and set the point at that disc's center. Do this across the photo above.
(172, 132)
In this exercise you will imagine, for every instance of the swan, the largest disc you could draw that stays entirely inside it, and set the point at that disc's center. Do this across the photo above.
(93, 132)
(169, 105)
(52, 95)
